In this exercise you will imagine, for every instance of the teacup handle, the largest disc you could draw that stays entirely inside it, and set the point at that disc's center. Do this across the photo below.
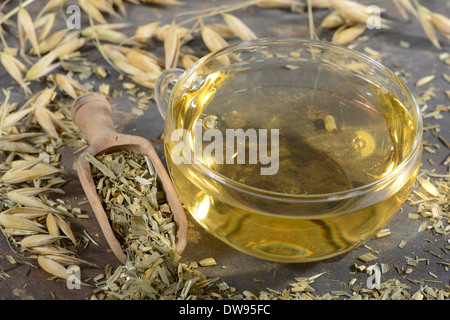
(162, 90)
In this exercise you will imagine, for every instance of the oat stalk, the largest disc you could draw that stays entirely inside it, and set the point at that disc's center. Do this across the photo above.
(201, 14)
(14, 11)
(312, 31)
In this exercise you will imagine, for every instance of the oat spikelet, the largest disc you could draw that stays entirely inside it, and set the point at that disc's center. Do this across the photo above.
(4, 110)
(65, 228)
(45, 121)
(355, 12)
(408, 6)
(171, 47)
(188, 60)
(401, 10)
(346, 4)
(428, 186)
(441, 23)
(69, 45)
(345, 35)
(20, 136)
(51, 4)
(143, 61)
(160, 32)
(27, 200)
(39, 170)
(425, 80)
(357, 15)
(42, 67)
(109, 33)
(55, 268)
(39, 240)
(52, 267)
(59, 123)
(126, 67)
(91, 10)
(26, 29)
(65, 85)
(121, 6)
(31, 191)
(45, 24)
(145, 32)
(214, 42)
(23, 68)
(332, 21)
(105, 6)
(79, 88)
(113, 52)
(12, 222)
(51, 225)
(273, 4)
(427, 24)
(50, 42)
(28, 163)
(165, 2)
(13, 118)
(321, 3)
(20, 147)
(66, 260)
(49, 249)
(44, 97)
(144, 81)
(238, 27)
(27, 213)
(10, 65)
(222, 29)
(44, 117)
(212, 39)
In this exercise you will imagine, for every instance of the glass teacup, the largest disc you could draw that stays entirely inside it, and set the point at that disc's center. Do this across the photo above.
(290, 150)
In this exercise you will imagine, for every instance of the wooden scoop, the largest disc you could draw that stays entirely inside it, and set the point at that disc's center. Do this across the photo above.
(92, 114)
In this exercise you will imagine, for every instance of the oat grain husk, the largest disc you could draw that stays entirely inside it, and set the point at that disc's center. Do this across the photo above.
(238, 27)
(171, 47)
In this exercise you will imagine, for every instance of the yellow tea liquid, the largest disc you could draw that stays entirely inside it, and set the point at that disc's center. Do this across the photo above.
(336, 132)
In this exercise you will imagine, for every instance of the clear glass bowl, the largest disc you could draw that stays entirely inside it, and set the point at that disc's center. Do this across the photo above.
(287, 226)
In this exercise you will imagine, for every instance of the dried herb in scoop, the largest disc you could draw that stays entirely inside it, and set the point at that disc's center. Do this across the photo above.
(139, 214)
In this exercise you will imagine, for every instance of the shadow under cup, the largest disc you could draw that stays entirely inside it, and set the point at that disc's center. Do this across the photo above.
(320, 204)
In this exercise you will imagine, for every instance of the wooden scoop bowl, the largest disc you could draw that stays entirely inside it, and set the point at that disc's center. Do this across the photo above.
(92, 114)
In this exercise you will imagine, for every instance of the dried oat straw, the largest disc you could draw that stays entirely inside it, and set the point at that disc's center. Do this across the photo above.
(142, 221)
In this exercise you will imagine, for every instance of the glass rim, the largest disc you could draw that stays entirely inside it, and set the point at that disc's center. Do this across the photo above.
(333, 196)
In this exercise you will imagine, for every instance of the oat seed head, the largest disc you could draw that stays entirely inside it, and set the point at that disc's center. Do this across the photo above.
(239, 27)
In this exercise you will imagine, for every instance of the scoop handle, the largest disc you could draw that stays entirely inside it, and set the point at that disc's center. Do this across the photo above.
(92, 114)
